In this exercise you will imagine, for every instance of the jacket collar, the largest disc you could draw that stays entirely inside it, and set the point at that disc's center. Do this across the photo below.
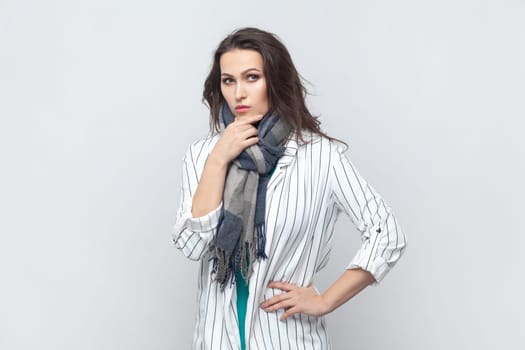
(290, 151)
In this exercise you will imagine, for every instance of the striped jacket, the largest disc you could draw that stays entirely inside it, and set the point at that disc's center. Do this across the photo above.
(311, 185)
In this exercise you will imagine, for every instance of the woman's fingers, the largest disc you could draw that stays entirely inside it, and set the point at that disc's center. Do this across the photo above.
(290, 312)
(241, 131)
(249, 119)
(273, 305)
(275, 300)
(250, 141)
(282, 301)
(237, 136)
(247, 131)
(279, 298)
(295, 300)
(282, 286)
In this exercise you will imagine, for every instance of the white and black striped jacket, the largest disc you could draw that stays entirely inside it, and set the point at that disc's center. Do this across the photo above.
(312, 184)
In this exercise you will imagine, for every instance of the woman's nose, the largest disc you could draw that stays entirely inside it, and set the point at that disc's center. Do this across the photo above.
(240, 92)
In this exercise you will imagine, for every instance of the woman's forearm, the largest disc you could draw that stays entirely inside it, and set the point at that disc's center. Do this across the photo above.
(208, 194)
(307, 300)
(351, 282)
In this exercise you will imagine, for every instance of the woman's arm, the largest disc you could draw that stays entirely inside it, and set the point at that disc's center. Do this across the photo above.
(208, 194)
(201, 194)
(383, 243)
(191, 233)
(308, 301)
(237, 136)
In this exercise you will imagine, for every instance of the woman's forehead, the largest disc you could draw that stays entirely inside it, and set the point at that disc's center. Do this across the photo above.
(240, 60)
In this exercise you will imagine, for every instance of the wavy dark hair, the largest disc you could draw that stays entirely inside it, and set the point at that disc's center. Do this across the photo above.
(285, 89)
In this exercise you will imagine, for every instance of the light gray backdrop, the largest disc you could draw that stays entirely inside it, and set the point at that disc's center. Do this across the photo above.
(99, 100)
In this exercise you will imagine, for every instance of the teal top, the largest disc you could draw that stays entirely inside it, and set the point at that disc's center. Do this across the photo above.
(242, 300)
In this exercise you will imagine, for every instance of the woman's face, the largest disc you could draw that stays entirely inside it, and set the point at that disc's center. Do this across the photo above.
(243, 83)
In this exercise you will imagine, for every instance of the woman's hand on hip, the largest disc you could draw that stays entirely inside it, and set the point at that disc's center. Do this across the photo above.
(237, 136)
(295, 300)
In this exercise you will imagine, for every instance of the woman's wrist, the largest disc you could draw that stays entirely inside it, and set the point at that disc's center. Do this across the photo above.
(351, 282)
(217, 161)
(327, 306)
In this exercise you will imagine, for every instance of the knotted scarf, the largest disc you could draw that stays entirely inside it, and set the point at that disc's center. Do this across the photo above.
(241, 233)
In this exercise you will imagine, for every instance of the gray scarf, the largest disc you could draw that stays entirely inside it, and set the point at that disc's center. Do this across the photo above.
(241, 234)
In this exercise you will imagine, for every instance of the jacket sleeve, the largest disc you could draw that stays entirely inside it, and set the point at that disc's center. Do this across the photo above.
(193, 235)
(383, 240)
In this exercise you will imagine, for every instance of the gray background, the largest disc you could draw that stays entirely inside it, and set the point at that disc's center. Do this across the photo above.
(99, 100)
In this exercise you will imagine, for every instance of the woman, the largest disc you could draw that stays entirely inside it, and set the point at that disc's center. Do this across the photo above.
(260, 197)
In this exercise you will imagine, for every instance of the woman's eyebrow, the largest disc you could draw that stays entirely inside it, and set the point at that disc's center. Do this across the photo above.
(243, 72)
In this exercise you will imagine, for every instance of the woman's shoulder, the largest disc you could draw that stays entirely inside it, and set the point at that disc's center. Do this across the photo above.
(319, 142)
(202, 145)
(205, 140)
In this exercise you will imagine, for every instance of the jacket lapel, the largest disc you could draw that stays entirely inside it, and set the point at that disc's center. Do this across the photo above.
(289, 154)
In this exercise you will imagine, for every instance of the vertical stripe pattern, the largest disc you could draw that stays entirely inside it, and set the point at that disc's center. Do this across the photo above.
(312, 184)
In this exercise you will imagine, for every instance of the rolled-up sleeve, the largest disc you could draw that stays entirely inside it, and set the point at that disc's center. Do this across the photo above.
(383, 240)
(193, 235)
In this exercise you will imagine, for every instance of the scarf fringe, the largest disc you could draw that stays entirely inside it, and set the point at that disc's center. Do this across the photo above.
(226, 268)
(261, 241)
(222, 268)
(246, 262)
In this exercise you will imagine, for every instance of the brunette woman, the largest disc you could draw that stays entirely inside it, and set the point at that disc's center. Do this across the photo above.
(260, 197)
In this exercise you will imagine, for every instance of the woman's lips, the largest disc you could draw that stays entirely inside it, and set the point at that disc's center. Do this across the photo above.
(242, 109)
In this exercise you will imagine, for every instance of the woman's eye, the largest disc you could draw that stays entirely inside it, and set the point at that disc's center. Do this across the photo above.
(253, 77)
(227, 80)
